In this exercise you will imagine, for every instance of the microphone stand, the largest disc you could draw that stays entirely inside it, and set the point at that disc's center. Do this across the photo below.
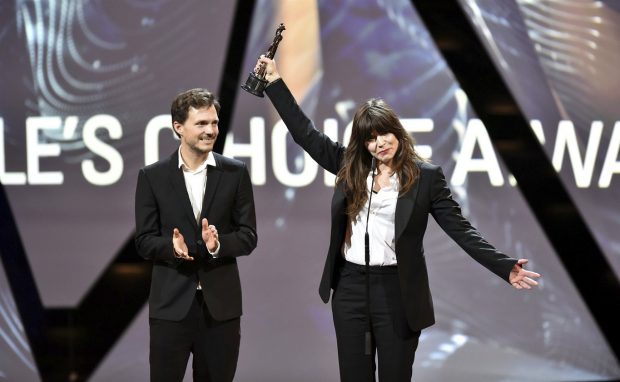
(368, 335)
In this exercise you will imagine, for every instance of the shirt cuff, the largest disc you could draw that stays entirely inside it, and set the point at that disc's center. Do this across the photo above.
(217, 250)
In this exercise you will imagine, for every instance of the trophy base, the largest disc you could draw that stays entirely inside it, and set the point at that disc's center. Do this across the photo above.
(255, 85)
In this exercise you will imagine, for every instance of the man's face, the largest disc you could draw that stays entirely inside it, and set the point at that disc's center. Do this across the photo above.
(200, 130)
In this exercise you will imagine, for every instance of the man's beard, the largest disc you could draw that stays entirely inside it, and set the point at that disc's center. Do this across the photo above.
(194, 146)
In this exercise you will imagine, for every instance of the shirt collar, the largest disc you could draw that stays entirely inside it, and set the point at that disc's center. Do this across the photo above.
(210, 161)
(394, 183)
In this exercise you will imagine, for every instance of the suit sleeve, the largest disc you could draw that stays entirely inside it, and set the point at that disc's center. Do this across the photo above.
(447, 212)
(321, 148)
(150, 242)
(242, 240)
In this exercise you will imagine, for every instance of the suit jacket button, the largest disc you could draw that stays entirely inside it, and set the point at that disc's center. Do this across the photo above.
(199, 242)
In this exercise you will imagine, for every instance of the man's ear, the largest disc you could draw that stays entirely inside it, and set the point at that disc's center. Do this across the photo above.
(178, 128)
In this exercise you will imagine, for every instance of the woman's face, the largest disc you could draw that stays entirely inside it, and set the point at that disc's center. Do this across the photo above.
(383, 147)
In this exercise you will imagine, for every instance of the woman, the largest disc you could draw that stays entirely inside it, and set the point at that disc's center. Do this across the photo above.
(405, 190)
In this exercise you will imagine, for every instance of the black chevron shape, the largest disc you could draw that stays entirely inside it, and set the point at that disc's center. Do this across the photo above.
(69, 344)
(516, 143)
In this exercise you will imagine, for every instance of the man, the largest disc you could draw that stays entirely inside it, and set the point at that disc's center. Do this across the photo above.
(194, 216)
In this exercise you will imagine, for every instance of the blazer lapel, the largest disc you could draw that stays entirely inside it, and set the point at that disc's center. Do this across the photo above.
(178, 184)
(213, 179)
(404, 209)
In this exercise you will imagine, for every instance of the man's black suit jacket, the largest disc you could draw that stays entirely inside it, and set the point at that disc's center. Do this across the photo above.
(162, 204)
(429, 195)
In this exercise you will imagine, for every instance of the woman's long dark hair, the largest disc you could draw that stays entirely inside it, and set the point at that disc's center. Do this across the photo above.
(375, 117)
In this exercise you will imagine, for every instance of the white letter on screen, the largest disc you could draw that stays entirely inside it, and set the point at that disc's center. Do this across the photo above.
(8, 178)
(255, 150)
(37, 150)
(477, 133)
(612, 164)
(307, 165)
(567, 139)
(419, 125)
(151, 137)
(107, 152)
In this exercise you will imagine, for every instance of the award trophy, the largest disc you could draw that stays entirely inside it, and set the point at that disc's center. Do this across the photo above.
(256, 82)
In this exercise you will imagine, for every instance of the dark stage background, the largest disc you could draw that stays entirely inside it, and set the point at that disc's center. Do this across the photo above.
(85, 88)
